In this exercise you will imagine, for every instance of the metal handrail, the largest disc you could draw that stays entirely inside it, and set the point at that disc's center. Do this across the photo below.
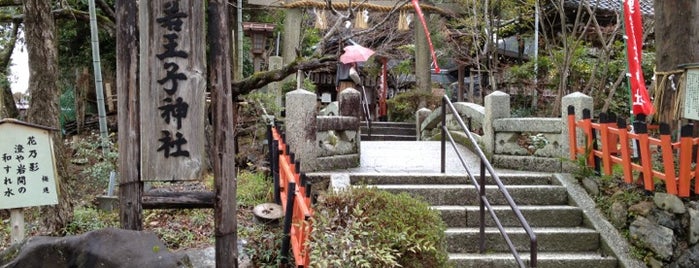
(480, 186)
(367, 111)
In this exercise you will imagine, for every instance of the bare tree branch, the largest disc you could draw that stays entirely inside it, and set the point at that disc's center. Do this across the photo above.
(65, 13)
(258, 80)
(8, 3)
(6, 54)
(108, 10)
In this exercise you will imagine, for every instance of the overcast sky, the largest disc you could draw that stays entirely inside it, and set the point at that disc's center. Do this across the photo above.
(20, 69)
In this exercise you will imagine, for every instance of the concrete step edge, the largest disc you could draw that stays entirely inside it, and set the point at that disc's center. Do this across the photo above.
(464, 194)
(439, 178)
(544, 259)
(392, 124)
(505, 207)
(540, 255)
(460, 186)
(535, 215)
(520, 230)
(375, 135)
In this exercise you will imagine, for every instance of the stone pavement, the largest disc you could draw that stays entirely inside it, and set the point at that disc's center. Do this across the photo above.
(413, 157)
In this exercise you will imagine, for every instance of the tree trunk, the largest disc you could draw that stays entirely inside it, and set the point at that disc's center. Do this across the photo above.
(39, 32)
(7, 107)
(677, 42)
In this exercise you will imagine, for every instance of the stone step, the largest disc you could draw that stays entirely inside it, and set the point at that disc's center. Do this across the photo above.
(464, 195)
(577, 239)
(380, 130)
(544, 259)
(536, 216)
(439, 178)
(386, 137)
(390, 124)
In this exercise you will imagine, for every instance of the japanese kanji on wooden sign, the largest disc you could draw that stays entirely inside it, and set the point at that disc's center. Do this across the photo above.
(173, 86)
(27, 165)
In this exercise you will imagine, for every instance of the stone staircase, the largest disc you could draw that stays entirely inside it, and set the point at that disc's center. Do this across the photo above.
(388, 131)
(565, 238)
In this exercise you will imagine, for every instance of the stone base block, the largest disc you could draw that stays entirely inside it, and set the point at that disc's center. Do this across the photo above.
(530, 163)
(337, 162)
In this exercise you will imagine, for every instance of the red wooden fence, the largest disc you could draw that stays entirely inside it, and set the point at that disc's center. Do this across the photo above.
(673, 163)
(294, 192)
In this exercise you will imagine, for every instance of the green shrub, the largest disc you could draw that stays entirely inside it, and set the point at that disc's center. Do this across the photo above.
(366, 227)
(253, 189)
(403, 106)
(291, 85)
(89, 219)
(88, 151)
(264, 243)
(67, 104)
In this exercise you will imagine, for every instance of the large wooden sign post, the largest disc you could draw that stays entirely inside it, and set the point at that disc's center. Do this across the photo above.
(173, 87)
(162, 120)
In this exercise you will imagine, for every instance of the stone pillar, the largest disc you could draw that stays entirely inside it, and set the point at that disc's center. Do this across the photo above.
(579, 101)
(292, 34)
(420, 117)
(274, 88)
(349, 103)
(422, 59)
(301, 127)
(497, 105)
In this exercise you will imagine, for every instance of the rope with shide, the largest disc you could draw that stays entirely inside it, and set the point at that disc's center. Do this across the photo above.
(370, 7)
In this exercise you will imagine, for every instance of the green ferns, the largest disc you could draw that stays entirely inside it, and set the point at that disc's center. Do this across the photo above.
(366, 227)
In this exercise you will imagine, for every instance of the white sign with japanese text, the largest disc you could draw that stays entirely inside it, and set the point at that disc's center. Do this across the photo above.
(27, 167)
(691, 95)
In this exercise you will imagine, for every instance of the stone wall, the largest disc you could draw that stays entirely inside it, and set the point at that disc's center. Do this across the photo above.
(323, 142)
(516, 143)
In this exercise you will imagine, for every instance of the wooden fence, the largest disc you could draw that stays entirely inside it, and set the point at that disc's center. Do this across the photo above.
(293, 192)
(641, 155)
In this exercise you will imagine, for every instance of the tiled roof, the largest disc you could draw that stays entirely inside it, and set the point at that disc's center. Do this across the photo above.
(615, 5)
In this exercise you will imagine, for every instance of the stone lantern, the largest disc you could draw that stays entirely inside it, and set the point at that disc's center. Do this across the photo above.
(258, 32)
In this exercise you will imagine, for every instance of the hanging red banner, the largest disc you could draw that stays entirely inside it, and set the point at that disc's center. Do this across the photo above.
(634, 31)
(420, 15)
(383, 110)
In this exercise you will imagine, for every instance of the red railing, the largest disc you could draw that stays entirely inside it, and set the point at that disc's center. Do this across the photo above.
(293, 192)
(676, 167)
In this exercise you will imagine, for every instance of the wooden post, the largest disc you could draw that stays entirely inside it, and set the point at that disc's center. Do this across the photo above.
(225, 206)
(17, 223)
(130, 185)
(471, 86)
(460, 83)
(110, 97)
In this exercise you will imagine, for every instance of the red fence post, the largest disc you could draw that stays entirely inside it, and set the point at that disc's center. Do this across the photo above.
(586, 125)
(668, 159)
(646, 176)
(625, 150)
(288, 216)
(606, 143)
(685, 160)
(613, 138)
(572, 135)
(295, 194)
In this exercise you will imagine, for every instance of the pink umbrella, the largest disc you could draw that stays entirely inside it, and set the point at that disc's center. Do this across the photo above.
(356, 53)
